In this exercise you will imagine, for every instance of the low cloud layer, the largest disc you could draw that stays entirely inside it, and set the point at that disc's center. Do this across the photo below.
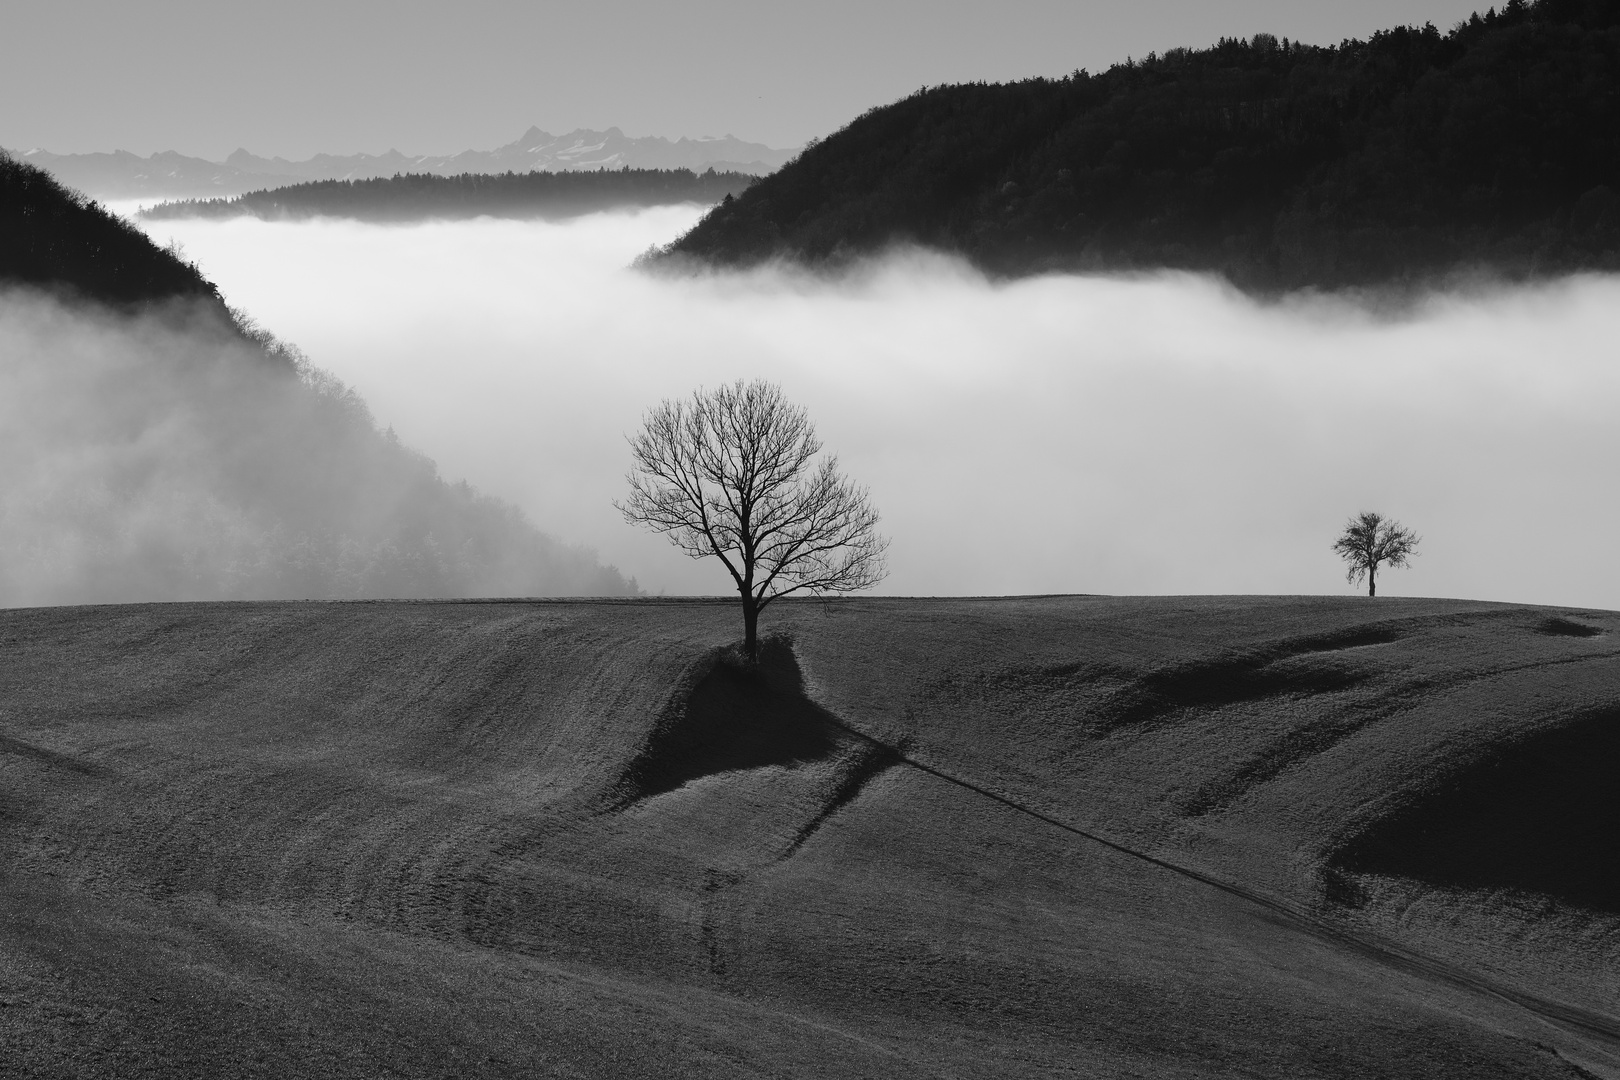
(1064, 434)
(168, 457)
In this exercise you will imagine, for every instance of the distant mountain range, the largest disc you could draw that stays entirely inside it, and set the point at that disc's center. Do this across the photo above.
(122, 175)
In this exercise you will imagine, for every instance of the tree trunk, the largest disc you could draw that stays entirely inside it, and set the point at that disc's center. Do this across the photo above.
(750, 606)
(1372, 580)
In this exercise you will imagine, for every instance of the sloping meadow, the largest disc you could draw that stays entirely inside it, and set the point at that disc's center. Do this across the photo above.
(1163, 837)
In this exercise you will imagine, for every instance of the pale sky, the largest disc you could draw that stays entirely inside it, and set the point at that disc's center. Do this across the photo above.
(299, 77)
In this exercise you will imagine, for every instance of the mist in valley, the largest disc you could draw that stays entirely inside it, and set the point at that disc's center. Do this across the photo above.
(169, 456)
(1061, 434)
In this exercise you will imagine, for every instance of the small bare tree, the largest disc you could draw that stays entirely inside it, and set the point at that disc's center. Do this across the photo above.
(1370, 539)
(730, 473)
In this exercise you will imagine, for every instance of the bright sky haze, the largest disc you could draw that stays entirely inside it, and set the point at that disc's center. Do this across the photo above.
(301, 77)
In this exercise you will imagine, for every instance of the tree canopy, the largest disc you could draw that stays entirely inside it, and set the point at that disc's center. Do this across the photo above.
(1369, 539)
(732, 474)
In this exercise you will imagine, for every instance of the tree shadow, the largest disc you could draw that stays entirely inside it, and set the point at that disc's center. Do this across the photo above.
(737, 715)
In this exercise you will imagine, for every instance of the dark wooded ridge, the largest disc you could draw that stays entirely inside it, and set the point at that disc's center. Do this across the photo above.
(1415, 154)
(419, 196)
(52, 237)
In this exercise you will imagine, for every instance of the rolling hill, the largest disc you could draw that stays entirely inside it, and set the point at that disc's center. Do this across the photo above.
(1413, 157)
(1087, 836)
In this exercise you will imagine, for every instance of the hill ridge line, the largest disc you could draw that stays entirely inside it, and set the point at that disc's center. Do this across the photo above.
(1548, 1010)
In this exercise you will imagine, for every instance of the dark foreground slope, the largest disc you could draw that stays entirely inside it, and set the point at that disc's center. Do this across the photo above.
(422, 197)
(1049, 837)
(1491, 149)
(156, 445)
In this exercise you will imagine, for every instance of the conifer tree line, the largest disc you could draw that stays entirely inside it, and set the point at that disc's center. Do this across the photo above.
(418, 196)
(1494, 147)
(54, 238)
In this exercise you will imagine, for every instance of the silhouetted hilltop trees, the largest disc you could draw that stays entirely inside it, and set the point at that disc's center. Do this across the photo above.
(158, 445)
(54, 238)
(420, 196)
(1417, 153)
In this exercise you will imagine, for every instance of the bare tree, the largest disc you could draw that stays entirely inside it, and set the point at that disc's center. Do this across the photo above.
(730, 473)
(1370, 539)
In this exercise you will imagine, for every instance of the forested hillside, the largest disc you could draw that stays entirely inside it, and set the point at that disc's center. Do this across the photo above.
(156, 445)
(1494, 147)
(419, 196)
(52, 238)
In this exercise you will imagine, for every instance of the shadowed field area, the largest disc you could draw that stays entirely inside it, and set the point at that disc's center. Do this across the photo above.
(1066, 836)
(1541, 816)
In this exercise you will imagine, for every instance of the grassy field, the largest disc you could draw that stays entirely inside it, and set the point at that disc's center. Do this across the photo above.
(1065, 836)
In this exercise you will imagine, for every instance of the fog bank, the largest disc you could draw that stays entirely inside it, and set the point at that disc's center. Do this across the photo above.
(169, 457)
(1063, 434)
